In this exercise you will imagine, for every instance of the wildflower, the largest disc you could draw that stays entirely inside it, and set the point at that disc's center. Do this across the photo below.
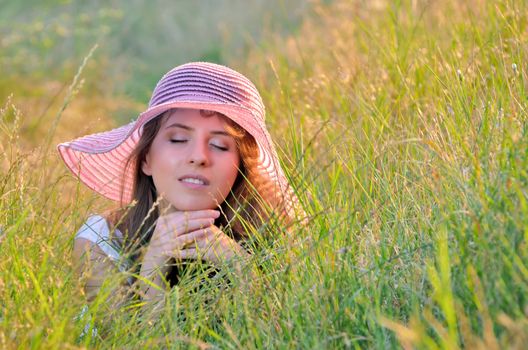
(450, 110)
(500, 113)
(465, 172)
(343, 250)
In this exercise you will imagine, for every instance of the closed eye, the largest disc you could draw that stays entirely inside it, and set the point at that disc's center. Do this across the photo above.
(220, 147)
(215, 146)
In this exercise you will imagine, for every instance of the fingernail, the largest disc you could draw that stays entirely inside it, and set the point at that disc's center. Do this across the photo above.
(216, 213)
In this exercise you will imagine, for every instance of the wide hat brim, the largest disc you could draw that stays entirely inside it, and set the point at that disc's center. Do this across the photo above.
(100, 160)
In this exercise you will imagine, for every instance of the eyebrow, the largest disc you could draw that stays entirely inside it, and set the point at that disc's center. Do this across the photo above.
(182, 126)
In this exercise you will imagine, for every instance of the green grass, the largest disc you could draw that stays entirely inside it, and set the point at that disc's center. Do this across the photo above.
(403, 127)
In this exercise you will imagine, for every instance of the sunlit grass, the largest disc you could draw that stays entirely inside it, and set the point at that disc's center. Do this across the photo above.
(403, 126)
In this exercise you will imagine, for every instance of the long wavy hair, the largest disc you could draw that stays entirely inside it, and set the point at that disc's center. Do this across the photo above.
(251, 202)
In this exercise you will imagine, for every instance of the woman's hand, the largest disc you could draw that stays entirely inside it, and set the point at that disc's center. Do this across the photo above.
(176, 230)
(173, 232)
(213, 246)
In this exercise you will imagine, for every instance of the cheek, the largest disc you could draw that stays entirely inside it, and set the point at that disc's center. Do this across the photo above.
(230, 171)
(162, 165)
(235, 167)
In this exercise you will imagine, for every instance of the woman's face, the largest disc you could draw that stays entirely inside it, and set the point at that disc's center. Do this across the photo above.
(193, 161)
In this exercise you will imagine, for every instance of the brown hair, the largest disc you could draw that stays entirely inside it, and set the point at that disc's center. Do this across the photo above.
(249, 203)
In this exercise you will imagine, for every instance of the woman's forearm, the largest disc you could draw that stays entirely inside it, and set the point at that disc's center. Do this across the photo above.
(152, 284)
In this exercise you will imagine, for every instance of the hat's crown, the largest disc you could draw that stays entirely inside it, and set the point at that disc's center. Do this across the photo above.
(210, 83)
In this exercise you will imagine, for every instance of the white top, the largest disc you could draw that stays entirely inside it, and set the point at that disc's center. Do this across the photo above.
(96, 230)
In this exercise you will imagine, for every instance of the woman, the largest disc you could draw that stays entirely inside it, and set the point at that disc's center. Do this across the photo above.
(190, 175)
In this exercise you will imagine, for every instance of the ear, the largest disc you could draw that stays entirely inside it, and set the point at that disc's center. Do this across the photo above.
(145, 166)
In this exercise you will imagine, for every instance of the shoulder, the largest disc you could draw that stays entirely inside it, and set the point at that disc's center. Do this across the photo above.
(94, 226)
(96, 230)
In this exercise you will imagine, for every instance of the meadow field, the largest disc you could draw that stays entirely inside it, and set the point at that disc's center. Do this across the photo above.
(401, 124)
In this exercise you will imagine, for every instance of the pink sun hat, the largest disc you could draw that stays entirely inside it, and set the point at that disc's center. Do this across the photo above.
(99, 160)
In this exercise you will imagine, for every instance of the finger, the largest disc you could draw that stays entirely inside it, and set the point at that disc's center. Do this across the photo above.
(211, 236)
(178, 227)
(189, 253)
(192, 225)
(206, 242)
(196, 214)
(193, 236)
(183, 221)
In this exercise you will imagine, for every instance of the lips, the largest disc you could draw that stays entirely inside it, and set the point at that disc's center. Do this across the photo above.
(195, 176)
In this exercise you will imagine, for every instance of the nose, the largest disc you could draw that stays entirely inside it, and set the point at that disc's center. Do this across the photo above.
(199, 155)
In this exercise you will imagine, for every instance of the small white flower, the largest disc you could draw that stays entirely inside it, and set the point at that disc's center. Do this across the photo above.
(343, 250)
(450, 110)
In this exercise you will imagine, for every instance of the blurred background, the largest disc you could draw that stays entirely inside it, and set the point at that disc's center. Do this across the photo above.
(42, 44)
